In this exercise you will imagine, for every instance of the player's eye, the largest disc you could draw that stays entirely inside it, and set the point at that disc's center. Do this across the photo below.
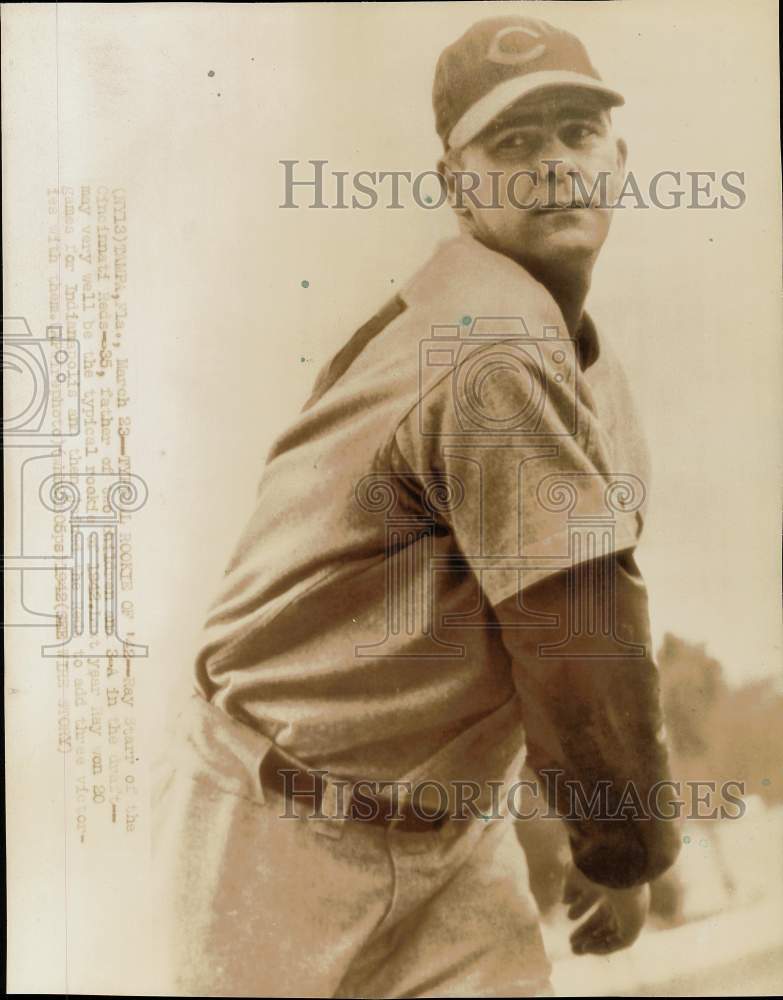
(516, 141)
(580, 133)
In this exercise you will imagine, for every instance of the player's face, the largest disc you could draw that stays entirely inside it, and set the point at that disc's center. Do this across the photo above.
(547, 151)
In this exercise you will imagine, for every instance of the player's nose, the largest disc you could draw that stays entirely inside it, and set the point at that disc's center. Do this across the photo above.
(556, 169)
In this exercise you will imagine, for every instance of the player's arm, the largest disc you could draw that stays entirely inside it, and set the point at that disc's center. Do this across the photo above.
(596, 719)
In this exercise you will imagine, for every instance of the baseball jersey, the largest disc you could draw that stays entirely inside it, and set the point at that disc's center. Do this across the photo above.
(461, 447)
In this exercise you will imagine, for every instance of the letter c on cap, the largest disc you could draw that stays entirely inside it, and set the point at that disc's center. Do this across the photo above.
(497, 55)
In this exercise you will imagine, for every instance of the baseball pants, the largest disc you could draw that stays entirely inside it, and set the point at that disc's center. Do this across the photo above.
(250, 903)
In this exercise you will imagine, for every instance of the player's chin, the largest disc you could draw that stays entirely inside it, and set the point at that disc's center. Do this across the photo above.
(569, 232)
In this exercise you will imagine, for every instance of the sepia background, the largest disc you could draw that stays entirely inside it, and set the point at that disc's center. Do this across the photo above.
(190, 108)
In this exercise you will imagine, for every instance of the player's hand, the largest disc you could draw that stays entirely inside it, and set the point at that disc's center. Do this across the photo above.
(616, 921)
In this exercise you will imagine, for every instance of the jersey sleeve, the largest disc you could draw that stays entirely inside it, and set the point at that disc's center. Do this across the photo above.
(594, 725)
(511, 435)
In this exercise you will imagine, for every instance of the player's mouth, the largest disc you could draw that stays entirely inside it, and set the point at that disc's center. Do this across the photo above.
(567, 207)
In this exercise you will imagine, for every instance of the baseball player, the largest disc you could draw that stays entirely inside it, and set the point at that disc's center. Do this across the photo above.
(437, 583)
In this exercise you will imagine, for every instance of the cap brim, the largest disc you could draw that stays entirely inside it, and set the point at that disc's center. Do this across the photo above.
(480, 114)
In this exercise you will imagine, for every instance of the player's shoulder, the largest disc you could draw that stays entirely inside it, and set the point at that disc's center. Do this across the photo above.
(466, 295)
(471, 331)
(472, 306)
(496, 378)
(464, 280)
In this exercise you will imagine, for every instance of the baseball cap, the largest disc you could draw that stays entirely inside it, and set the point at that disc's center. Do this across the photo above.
(500, 60)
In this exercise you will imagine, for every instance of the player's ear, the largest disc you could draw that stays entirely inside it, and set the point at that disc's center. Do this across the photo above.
(449, 164)
(446, 170)
(622, 155)
(617, 176)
